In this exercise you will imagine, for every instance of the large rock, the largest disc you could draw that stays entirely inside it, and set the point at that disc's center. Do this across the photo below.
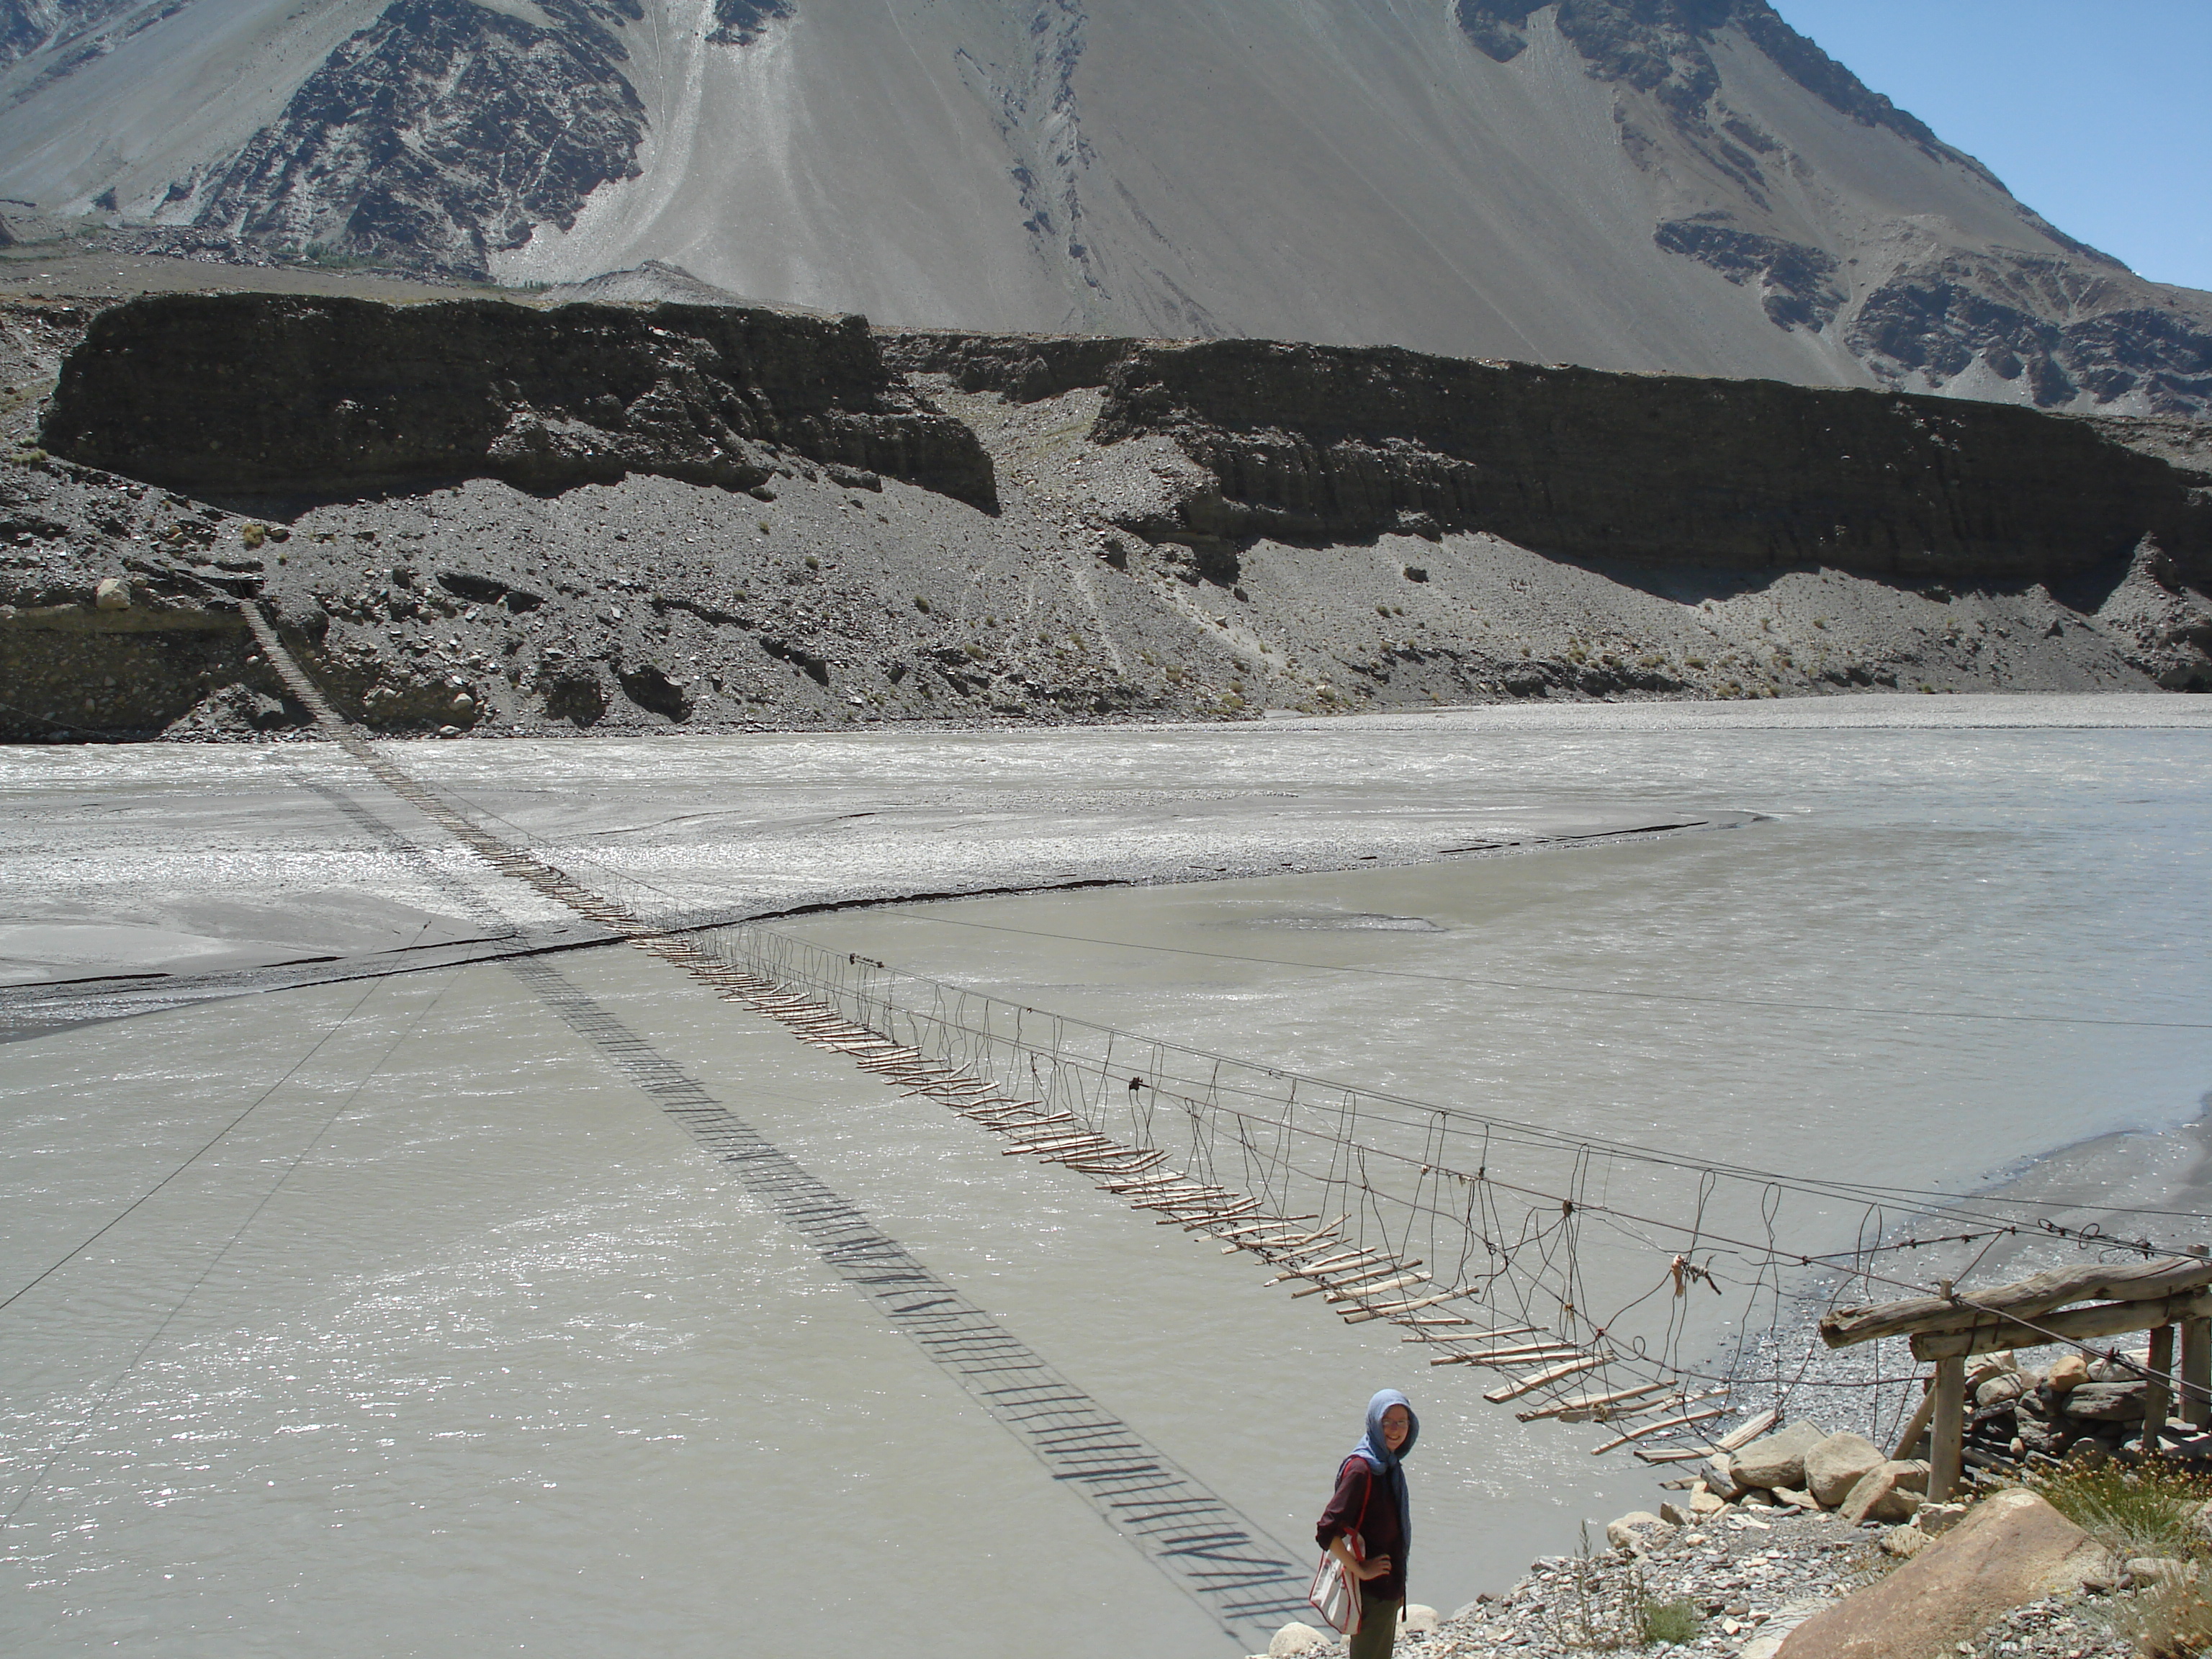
(2109, 1402)
(2012, 1549)
(1295, 1639)
(2068, 1372)
(1720, 1475)
(288, 394)
(1837, 1464)
(1628, 1533)
(1778, 1460)
(1891, 1492)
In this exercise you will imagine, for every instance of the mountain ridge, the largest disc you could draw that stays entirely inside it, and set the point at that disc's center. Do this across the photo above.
(1682, 185)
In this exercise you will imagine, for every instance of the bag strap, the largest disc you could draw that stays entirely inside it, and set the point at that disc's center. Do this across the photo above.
(1359, 1530)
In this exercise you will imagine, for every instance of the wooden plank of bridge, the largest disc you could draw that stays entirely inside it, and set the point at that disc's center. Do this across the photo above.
(2157, 1398)
(1950, 1422)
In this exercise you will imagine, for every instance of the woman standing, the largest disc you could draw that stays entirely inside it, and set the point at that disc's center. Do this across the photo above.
(1369, 1524)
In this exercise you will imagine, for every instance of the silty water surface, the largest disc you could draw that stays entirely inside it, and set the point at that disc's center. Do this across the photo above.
(454, 1341)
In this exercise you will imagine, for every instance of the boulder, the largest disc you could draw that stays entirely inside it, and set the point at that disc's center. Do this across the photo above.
(2109, 1402)
(1628, 1533)
(1720, 1475)
(1935, 1519)
(2011, 1549)
(2006, 1385)
(1889, 1492)
(2068, 1372)
(2160, 1570)
(1418, 1621)
(1837, 1464)
(1779, 1459)
(1675, 1516)
(114, 593)
(1990, 1366)
(1295, 1639)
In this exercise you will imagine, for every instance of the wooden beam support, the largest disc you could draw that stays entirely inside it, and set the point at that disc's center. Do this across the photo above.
(2159, 1395)
(1917, 1424)
(2028, 1298)
(2196, 1372)
(1950, 1444)
(1988, 1336)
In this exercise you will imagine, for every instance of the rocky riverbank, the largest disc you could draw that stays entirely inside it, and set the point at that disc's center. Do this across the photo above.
(1773, 1529)
(619, 519)
(1732, 1586)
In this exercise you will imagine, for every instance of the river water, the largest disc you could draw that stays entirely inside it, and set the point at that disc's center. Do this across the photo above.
(381, 1316)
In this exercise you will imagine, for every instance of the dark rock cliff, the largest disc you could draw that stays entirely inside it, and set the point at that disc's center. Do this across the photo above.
(1023, 366)
(279, 395)
(1313, 443)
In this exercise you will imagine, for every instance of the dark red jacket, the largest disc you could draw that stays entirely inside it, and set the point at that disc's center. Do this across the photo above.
(1358, 1488)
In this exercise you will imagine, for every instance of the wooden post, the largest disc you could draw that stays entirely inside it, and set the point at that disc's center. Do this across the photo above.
(2196, 1372)
(2161, 1393)
(1950, 1442)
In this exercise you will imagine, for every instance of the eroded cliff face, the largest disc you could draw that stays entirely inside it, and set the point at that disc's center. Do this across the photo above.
(269, 394)
(483, 518)
(1335, 444)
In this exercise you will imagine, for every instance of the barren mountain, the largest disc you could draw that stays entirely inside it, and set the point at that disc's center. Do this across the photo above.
(1685, 185)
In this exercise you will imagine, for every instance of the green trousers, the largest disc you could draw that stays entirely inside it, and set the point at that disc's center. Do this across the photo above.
(1378, 1628)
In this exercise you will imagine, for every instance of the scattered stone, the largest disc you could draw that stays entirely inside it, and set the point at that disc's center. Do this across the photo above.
(2160, 1570)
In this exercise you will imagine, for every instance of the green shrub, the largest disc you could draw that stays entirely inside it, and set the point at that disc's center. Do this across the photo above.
(2173, 1620)
(2150, 1510)
(1673, 1624)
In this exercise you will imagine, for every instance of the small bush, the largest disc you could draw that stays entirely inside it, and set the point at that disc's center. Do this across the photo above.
(2173, 1620)
(1595, 1607)
(253, 534)
(2151, 1511)
(1673, 1624)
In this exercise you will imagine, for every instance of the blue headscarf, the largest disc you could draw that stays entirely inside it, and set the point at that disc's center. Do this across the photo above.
(1386, 1464)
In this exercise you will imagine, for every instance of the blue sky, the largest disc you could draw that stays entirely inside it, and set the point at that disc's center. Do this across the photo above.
(2097, 113)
